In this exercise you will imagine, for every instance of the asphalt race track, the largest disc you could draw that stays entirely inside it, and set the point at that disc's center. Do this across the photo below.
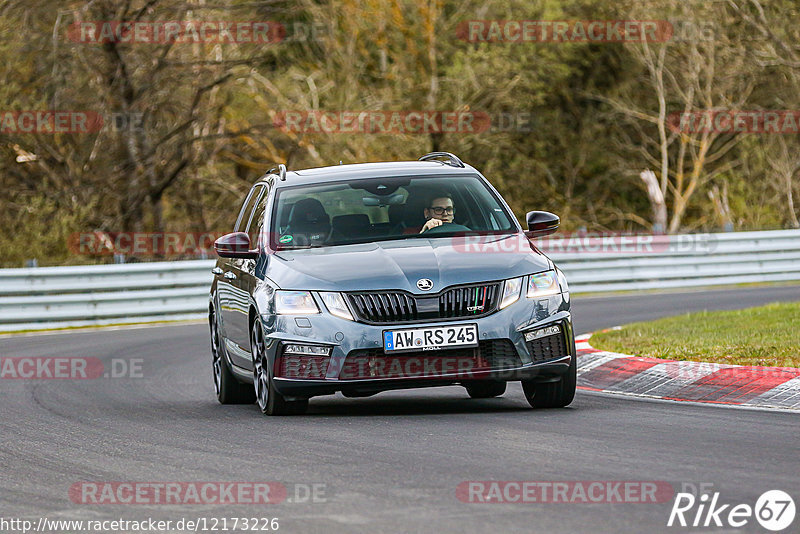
(389, 463)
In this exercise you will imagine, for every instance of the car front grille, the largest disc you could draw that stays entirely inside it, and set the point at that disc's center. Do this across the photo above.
(547, 348)
(386, 307)
(490, 355)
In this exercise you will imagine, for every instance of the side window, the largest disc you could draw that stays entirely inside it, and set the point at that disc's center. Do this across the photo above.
(247, 209)
(247, 218)
(257, 224)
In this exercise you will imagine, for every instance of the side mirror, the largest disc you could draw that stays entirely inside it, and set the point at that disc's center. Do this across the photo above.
(235, 245)
(541, 223)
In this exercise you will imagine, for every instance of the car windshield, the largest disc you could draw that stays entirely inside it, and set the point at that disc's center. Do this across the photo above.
(381, 209)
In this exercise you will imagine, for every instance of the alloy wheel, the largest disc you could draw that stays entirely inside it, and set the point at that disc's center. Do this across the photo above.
(260, 367)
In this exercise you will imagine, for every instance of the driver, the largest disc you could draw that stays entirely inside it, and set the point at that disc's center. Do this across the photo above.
(440, 210)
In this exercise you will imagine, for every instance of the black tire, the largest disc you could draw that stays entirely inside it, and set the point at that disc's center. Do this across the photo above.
(228, 389)
(485, 389)
(552, 394)
(269, 401)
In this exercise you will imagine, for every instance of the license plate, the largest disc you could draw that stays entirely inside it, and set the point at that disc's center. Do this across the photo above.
(432, 338)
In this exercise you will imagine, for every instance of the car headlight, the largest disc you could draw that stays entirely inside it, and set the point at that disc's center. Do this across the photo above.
(543, 285)
(510, 292)
(336, 305)
(294, 303)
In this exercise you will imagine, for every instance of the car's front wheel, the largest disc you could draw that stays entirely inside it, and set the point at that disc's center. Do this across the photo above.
(552, 394)
(484, 389)
(228, 389)
(269, 400)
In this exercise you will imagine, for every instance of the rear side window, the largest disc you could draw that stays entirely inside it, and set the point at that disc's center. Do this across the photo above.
(247, 209)
(249, 219)
(257, 224)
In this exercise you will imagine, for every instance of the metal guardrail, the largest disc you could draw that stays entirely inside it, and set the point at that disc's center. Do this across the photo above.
(58, 297)
(690, 260)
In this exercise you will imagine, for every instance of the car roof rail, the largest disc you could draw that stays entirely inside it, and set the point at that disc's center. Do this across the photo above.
(454, 160)
(281, 168)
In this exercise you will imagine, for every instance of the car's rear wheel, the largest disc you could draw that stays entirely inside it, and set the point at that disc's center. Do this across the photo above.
(485, 389)
(227, 388)
(552, 394)
(268, 399)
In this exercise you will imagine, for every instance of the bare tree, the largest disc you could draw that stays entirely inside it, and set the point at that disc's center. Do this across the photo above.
(698, 75)
(163, 104)
(783, 159)
(656, 197)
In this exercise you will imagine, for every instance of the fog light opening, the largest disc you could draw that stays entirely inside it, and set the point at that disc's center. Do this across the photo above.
(311, 350)
(542, 332)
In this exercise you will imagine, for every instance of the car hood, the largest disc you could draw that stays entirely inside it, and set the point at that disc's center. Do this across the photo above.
(399, 264)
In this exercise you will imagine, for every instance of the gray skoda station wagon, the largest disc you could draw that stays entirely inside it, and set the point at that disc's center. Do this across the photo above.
(370, 277)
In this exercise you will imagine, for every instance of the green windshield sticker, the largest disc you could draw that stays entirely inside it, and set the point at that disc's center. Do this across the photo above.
(285, 239)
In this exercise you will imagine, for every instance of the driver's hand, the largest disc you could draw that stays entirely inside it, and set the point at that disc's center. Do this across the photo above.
(430, 223)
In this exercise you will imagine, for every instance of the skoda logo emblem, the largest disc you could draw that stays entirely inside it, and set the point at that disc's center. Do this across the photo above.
(425, 284)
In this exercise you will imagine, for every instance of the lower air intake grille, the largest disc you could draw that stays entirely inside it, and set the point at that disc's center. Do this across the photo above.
(491, 355)
(547, 348)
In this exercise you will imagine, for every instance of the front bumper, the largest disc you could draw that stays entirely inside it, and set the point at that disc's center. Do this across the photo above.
(347, 339)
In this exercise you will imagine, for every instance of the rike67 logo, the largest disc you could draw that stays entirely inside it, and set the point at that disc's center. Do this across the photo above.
(774, 510)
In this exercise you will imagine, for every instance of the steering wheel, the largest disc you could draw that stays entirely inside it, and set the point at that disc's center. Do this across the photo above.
(447, 227)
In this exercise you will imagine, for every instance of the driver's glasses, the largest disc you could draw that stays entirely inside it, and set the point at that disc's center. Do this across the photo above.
(438, 210)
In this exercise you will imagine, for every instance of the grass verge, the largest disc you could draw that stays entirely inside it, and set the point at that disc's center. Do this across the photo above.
(766, 335)
(88, 327)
